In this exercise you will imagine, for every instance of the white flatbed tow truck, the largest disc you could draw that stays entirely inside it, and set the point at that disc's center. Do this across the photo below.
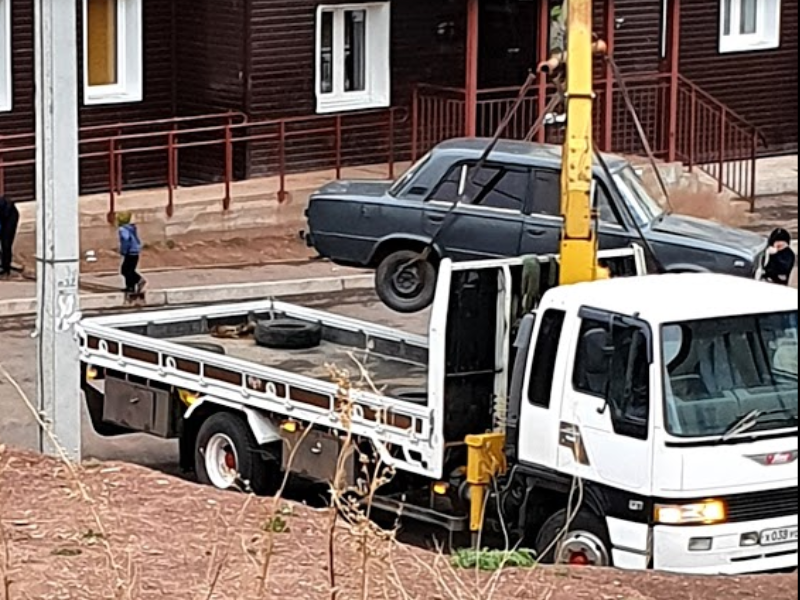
(675, 411)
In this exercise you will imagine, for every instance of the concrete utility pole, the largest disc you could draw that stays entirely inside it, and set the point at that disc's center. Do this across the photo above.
(57, 226)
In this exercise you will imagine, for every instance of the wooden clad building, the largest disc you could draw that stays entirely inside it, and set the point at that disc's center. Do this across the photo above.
(190, 91)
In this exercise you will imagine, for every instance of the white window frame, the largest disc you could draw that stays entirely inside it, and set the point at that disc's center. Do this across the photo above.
(378, 60)
(6, 63)
(130, 36)
(768, 28)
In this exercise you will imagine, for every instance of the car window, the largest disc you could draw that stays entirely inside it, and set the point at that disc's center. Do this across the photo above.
(492, 187)
(547, 198)
(447, 190)
(604, 206)
(547, 194)
(502, 188)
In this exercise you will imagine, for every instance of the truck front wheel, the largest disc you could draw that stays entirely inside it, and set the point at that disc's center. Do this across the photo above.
(227, 457)
(406, 282)
(585, 542)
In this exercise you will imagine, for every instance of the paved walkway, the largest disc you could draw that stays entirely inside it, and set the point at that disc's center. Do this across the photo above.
(203, 285)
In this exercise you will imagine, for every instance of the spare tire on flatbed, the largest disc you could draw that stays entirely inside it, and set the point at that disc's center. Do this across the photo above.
(288, 334)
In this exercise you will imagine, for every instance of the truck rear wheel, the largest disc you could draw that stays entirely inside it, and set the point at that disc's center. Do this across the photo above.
(585, 544)
(405, 282)
(227, 458)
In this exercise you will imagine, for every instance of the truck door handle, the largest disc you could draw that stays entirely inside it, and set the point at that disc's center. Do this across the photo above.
(436, 218)
(536, 232)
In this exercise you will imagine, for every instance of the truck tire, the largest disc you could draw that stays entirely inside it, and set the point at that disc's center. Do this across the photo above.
(405, 283)
(585, 544)
(288, 334)
(226, 456)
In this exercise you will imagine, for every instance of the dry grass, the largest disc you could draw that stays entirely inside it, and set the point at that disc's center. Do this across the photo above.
(124, 533)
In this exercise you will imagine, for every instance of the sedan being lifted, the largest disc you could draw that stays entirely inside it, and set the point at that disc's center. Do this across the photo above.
(510, 207)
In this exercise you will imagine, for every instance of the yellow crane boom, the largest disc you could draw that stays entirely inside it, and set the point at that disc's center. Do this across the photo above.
(579, 244)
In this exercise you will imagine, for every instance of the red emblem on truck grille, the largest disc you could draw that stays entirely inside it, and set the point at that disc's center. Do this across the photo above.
(773, 460)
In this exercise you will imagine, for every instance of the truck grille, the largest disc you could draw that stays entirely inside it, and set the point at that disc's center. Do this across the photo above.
(763, 505)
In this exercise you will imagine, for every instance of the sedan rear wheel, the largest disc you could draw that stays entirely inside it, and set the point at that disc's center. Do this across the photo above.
(406, 282)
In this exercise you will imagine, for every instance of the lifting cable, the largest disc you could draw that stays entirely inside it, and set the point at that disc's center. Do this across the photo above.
(540, 122)
(557, 98)
(623, 86)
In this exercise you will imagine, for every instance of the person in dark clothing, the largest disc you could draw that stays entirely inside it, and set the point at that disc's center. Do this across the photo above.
(130, 248)
(781, 259)
(9, 221)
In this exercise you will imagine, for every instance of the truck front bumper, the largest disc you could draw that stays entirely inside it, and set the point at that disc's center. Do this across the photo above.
(728, 555)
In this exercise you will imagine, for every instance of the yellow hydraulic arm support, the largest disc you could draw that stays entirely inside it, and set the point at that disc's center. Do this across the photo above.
(579, 245)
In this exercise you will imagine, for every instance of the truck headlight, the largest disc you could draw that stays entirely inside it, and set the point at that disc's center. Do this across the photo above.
(709, 512)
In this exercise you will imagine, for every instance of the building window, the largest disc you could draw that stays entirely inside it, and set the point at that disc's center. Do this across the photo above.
(750, 25)
(112, 33)
(6, 98)
(353, 63)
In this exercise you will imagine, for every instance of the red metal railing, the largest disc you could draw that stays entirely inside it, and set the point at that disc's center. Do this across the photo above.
(709, 136)
(277, 147)
(19, 150)
(718, 141)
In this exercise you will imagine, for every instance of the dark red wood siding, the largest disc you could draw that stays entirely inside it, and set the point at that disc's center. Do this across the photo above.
(20, 120)
(212, 46)
(761, 86)
(638, 34)
(282, 68)
(139, 169)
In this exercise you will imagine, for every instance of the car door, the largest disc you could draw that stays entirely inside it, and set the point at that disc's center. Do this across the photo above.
(478, 215)
(543, 223)
(541, 232)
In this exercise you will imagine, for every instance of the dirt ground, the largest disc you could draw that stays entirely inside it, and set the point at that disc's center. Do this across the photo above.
(191, 254)
(126, 532)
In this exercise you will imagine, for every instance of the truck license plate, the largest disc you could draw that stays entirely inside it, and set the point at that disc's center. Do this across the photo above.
(774, 537)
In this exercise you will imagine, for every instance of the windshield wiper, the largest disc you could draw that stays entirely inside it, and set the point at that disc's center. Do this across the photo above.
(751, 419)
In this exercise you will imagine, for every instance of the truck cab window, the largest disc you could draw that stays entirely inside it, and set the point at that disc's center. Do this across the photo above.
(613, 363)
(544, 358)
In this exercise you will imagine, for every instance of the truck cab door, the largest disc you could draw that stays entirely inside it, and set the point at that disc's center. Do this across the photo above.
(541, 392)
(606, 426)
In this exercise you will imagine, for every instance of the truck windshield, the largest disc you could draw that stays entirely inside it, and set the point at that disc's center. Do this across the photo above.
(719, 371)
(644, 207)
(406, 177)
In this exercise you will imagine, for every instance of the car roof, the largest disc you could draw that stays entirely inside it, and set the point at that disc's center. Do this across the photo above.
(661, 299)
(527, 153)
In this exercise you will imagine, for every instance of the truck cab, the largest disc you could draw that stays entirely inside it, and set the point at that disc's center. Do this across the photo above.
(678, 414)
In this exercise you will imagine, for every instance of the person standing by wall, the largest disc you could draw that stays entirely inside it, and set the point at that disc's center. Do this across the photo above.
(9, 222)
(130, 248)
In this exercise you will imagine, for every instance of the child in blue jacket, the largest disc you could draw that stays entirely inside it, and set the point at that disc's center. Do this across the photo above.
(130, 248)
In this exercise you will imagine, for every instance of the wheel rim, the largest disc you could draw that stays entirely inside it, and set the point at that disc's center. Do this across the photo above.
(222, 462)
(407, 281)
(583, 549)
